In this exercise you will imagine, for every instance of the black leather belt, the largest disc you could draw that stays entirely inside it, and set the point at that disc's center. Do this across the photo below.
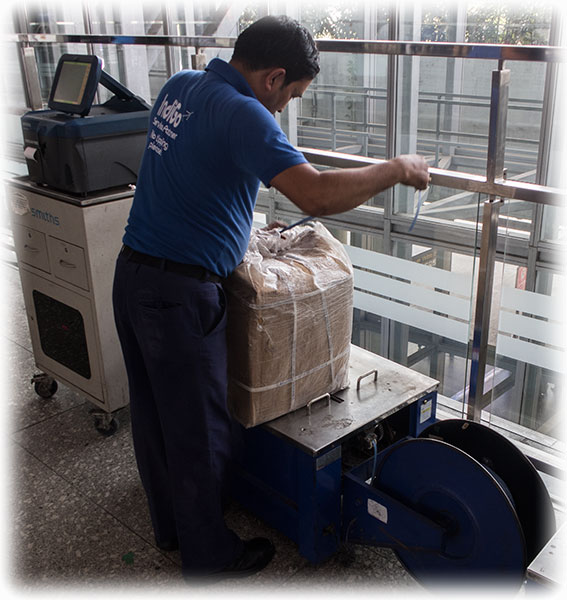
(169, 265)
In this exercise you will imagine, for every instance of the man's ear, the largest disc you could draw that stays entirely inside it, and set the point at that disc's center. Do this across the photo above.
(275, 78)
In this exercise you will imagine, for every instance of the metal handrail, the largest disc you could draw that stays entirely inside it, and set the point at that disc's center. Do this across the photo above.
(469, 182)
(499, 52)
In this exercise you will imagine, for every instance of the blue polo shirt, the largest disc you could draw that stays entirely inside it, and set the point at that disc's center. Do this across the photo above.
(210, 143)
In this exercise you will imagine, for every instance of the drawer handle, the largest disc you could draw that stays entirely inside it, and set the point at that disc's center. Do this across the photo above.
(66, 264)
(31, 248)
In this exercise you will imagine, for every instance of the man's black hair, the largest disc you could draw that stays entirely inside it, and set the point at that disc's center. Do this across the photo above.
(278, 42)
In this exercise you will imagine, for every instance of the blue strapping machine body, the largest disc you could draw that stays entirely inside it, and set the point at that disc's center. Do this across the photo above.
(372, 465)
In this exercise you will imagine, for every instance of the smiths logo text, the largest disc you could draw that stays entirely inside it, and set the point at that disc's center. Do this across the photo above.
(45, 216)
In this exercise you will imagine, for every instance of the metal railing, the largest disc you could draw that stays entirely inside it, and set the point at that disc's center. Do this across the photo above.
(493, 183)
(499, 52)
(319, 123)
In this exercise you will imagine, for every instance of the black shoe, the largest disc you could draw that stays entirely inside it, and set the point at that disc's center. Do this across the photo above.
(257, 553)
(168, 546)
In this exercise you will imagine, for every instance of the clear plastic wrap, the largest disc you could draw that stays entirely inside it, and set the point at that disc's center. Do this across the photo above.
(289, 322)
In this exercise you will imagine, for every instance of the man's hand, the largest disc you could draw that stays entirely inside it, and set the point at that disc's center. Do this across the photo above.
(414, 169)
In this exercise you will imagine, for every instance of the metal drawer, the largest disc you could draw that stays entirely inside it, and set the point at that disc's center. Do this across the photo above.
(68, 262)
(31, 247)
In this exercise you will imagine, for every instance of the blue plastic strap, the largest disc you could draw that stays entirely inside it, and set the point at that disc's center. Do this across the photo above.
(417, 211)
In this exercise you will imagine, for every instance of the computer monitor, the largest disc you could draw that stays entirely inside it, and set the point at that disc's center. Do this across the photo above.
(75, 83)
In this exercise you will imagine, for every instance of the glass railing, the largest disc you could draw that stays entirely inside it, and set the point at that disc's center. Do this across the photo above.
(416, 297)
(452, 282)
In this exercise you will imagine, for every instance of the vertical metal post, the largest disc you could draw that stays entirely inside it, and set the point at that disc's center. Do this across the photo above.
(87, 23)
(366, 112)
(334, 122)
(198, 60)
(292, 113)
(497, 125)
(31, 78)
(438, 130)
(169, 51)
(391, 151)
(490, 215)
(491, 210)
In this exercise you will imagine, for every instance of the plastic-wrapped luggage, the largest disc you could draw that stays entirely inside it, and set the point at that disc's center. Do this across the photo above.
(289, 322)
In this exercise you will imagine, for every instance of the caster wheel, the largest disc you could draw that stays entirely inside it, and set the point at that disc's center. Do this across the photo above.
(44, 386)
(105, 423)
(108, 430)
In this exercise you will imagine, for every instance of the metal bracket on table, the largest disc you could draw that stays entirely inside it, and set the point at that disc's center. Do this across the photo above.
(372, 372)
(312, 402)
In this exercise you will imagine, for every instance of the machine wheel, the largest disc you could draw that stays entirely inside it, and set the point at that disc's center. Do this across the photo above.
(504, 460)
(104, 422)
(44, 386)
(483, 541)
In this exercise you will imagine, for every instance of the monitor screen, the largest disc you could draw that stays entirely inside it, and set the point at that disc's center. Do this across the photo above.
(72, 82)
(75, 83)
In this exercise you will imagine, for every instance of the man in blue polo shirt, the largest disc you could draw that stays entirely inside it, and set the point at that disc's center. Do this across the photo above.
(212, 139)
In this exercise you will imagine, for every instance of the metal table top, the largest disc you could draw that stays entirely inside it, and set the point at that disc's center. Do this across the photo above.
(90, 199)
(365, 401)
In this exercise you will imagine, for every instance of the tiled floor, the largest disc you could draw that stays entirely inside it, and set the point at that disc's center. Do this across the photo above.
(78, 513)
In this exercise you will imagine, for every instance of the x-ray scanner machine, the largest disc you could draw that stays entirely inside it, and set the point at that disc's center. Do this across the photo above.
(68, 219)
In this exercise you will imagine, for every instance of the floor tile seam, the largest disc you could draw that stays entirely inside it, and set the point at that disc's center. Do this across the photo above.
(83, 495)
(48, 418)
(4, 336)
(16, 342)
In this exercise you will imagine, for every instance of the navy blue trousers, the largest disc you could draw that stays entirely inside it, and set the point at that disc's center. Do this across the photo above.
(172, 332)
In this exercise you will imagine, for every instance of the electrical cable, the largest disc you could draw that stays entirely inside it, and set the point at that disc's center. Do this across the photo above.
(375, 448)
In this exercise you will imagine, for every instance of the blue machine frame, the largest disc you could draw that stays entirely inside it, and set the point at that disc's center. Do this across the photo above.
(447, 495)
(294, 481)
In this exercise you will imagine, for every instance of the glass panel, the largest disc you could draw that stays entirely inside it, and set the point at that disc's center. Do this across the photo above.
(182, 23)
(525, 109)
(344, 109)
(521, 22)
(526, 379)
(554, 225)
(439, 205)
(42, 17)
(414, 306)
(525, 371)
(454, 110)
(129, 64)
(13, 102)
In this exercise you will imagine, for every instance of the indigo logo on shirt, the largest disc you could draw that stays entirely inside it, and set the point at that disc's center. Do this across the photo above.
(166, 120)
(170, 112)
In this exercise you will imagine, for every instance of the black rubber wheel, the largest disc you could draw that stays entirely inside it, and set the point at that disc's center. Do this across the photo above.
(106, 427)
(45, 387)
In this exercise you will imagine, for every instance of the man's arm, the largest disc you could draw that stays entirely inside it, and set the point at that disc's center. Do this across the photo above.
(319, 193)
